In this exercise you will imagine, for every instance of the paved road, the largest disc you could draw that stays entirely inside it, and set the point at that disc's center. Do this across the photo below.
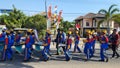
(59, 61)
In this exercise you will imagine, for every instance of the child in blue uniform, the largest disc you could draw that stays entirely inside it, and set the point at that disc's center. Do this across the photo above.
(12, 37)
(32, 39)
(88, 46)
(18, 46)
(68, 46)
(7, 51)
(103, 46)
(27, 51)
(93, 42)
(46, 50)
(76, 47)
(2, 39)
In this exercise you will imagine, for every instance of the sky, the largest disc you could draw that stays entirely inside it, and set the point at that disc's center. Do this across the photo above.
(71, 8)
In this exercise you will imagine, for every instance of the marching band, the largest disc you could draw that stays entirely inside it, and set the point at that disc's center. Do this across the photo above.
(8, 39)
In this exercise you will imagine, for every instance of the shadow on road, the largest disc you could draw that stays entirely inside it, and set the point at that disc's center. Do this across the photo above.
(15, 63)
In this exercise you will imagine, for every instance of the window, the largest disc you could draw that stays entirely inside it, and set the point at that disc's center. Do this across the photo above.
(87, 24)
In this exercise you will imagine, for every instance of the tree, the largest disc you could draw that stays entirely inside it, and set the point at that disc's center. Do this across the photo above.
(66, 25)
(13, 19)
(116, 18)
(108, 15)
(37, 22)
(3, 19)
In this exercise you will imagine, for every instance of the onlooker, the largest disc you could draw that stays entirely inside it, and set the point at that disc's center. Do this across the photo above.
(114, 42)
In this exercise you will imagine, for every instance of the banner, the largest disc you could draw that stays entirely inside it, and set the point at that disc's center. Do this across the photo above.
(55, 14)
(49, 12)
(48, 24)
(36, 35)
(59, 16)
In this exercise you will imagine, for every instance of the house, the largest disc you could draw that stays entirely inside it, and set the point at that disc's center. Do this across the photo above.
(90, 22)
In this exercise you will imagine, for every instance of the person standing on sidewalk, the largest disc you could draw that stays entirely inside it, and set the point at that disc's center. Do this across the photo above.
(57, 40)
(114, 42)
(118, 42)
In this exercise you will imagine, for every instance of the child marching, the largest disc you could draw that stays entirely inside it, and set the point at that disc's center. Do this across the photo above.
(103, 46)
(77, 38)
(28, 44)
(88, 46)
(7, 51)
(46, 51)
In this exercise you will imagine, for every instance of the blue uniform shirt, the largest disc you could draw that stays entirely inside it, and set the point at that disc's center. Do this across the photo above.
(32, 39)
(3, 36)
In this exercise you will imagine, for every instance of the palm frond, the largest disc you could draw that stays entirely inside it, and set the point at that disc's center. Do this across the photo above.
(114, 10)
(110, 8)
(102, 11)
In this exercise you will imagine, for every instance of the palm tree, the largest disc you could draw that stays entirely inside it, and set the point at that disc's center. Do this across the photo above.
(116, 18)
(108, 15)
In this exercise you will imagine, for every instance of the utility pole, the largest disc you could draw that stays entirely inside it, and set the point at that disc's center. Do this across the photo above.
(46, 12)
(46, 8)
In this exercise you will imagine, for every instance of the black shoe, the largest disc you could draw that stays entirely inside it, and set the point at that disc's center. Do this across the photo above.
(86, 60)
(2, 60)
(17, 52)
(57, 54)
(11, 59)
(68, 60)
(117, 56)
(91, 56)
(46, 59)
(101, 60)
(113, 56)
(80, 51)
(107, 59)
(50, 55)
(25, 60)
(30, 57)
(32, 49)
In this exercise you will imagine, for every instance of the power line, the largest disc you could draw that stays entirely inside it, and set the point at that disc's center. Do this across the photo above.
(63, 13)
(74, 13)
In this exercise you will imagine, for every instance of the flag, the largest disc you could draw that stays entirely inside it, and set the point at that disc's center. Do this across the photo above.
(77, 26)
(55, 9)
(36, 35)
(59, 16)
(55, 14)
(49, 11)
